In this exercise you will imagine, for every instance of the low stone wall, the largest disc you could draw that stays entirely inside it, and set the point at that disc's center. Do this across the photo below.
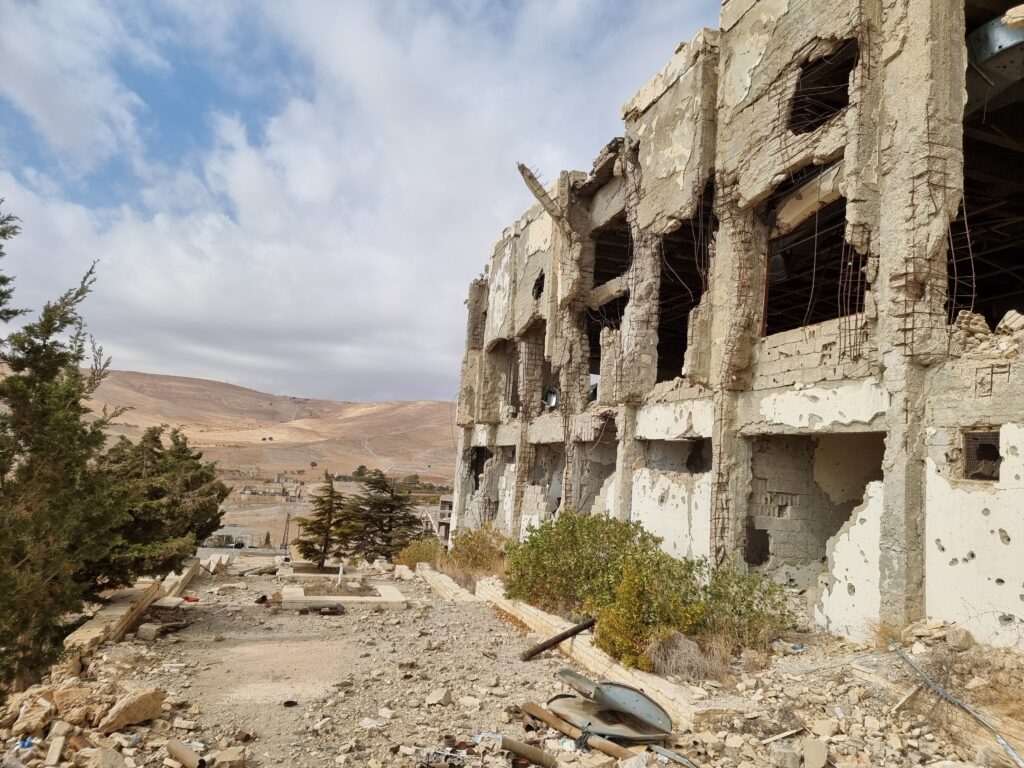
(445, 585)
(685, 707)
(116, 618)
(178, 582)
(295, 598)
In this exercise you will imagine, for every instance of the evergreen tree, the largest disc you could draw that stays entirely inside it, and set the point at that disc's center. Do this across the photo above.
(318, 533)
(266, 541)
(379, 522)
(74, 519)
(172, 499)
(56, 513)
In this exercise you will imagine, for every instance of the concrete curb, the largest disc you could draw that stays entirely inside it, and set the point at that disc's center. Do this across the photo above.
(687, 711)
(445, 585)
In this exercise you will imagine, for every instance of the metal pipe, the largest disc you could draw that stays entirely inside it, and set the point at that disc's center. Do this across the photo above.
(944, 694)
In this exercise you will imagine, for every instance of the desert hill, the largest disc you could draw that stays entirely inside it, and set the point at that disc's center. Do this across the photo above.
(245, 429)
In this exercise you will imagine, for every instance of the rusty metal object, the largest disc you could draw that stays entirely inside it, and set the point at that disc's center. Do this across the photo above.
(551, 642)
(183, 754)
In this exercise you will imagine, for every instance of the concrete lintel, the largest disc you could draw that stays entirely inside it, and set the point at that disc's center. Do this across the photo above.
(613, 289)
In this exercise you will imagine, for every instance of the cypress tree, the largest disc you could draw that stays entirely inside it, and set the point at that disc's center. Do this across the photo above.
(318, 533)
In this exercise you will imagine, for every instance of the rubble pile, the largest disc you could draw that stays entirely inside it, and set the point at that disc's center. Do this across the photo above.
(975, 336)
(243, 682)
(102, 724)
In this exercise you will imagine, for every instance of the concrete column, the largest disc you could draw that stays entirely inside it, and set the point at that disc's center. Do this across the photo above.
(920, 171)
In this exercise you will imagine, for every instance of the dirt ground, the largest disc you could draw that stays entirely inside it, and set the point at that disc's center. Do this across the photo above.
(360, 681)
(356, 689)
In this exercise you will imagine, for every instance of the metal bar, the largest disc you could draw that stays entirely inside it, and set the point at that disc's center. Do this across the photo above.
(944, 694)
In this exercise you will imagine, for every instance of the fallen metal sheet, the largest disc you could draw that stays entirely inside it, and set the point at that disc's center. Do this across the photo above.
(591, 717)
(620, 698)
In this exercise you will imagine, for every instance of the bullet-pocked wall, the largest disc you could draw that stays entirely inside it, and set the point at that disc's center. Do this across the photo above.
(779, 318)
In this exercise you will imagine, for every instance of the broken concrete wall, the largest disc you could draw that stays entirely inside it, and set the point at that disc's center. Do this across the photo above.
(676, 506)
(773, 408)
(851, 593)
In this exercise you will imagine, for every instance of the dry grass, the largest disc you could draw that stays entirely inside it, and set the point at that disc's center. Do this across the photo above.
(883, 634)
(673, 653)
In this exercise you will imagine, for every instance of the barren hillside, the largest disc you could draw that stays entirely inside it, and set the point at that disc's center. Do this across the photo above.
(245, 429)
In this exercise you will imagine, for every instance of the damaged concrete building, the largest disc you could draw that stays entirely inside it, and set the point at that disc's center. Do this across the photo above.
(778, 320)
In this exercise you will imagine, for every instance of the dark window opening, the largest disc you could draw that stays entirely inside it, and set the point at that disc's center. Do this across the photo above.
(823, 90)
(759, 545)
(699, 460)
(505, 358)
(690, 457)
(606, 316)
(538, 286)
(985, 258)
(980, 12)
(981, 455)
(685, 261)
(478, 458)
(813, 274)
(613, 250)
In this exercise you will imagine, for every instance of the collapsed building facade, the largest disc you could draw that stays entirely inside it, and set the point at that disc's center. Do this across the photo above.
(778, 320)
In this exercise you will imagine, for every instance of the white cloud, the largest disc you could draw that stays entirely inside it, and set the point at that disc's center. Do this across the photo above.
(327, 250)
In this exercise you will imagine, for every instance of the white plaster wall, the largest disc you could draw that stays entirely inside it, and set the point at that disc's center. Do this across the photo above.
(821, 408)
(677, 507)
(506, 499)
(499, 297)
(974, 548)
(533, 510)
(852, 599)
(673, 421)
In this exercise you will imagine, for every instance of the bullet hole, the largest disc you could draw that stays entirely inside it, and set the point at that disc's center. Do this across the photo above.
(938, 543)
(1006, 619)
(1004, 536)
(986, 511)
(1000, 582)
(971, 555)
(851, 590)
(954, 561)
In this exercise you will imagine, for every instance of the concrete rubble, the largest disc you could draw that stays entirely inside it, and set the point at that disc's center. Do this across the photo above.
(423, 686)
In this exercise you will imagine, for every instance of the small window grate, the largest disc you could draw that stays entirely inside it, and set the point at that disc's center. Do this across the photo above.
(981, 455)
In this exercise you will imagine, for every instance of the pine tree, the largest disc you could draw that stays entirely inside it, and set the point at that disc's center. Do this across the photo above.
(318, 533)
(379, 522)
(172, 498)
(266, 541)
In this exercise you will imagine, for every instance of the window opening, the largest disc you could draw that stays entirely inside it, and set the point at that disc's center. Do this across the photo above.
(823, 88)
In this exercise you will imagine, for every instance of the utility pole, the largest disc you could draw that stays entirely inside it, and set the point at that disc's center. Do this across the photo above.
(287, 522)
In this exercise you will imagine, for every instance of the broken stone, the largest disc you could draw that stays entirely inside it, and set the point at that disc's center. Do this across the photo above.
(72, 697)
(439, 697)
(785, 756)
(34, 718)
(53, 754)
(148, 632)
(825, 727)
(959, 639)
(232, 757)
(105, 758)
(815, 753)
(137, 707)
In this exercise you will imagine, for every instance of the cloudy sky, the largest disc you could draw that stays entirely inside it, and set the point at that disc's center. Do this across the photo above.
(294, 196)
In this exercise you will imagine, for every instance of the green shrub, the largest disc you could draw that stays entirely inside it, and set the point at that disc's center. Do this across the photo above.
(657, 594)
(426, 550)
(745, 610)
(480, 550)
(617, 572)
(574, 562)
